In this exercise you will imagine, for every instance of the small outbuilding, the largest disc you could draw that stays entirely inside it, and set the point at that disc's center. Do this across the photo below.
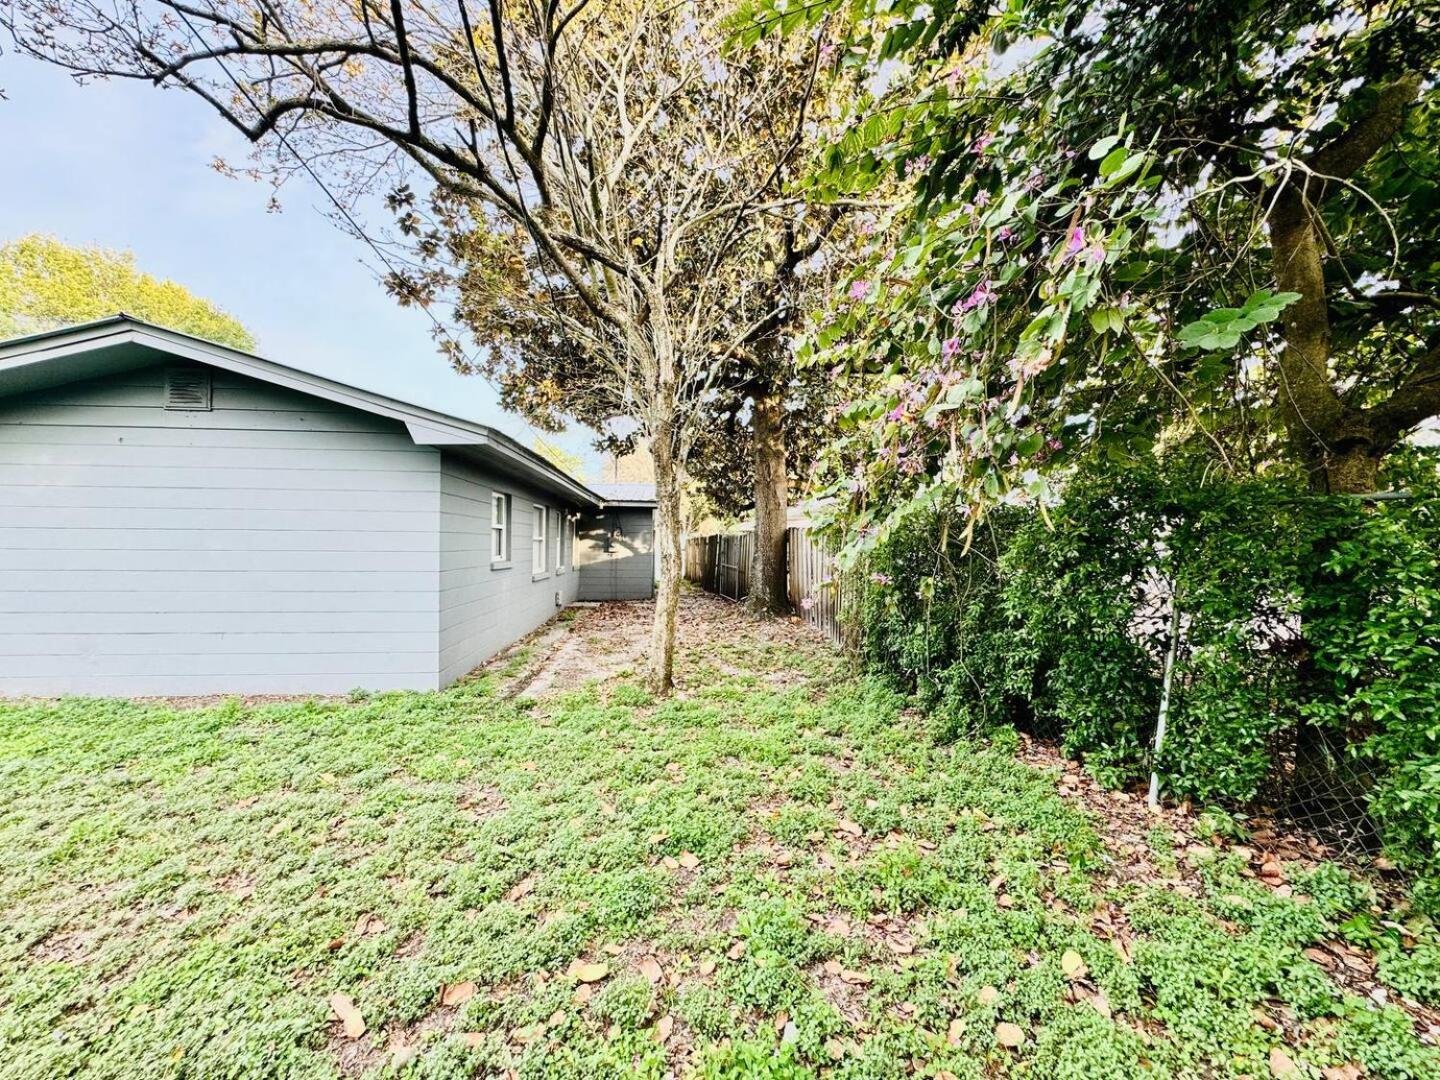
(179, 518)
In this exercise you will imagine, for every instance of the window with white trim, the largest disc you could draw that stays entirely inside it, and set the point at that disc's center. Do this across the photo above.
(537, 540)
(558, 540)
(499, 527)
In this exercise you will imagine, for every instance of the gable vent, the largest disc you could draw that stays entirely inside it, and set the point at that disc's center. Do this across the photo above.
(187, 388)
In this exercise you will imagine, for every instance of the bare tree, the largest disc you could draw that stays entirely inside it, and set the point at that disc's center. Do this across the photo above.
(611, 156)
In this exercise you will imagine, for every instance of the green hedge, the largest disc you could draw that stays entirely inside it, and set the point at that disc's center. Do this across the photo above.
(1309, 646)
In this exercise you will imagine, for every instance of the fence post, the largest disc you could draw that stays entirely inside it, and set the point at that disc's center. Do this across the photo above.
(1152, 799)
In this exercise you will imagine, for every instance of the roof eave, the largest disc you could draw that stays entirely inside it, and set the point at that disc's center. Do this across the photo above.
(425, 426)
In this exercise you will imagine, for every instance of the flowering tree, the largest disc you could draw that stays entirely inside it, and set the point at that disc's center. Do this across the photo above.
(1132, 226)
(580, 180)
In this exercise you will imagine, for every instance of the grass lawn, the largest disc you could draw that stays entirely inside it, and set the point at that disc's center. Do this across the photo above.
(777, 873)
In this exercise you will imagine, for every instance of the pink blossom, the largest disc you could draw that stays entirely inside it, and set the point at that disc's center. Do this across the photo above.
(880, 579)
(859, 290)
(983, 294)
(982, 198)
(1004, 233)
(1076, 242)
(951, 348)
(982, 143)
(917, 165)
(806, 603)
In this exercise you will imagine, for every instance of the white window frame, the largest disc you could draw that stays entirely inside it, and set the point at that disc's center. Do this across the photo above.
(540, 525)
(559, 541)
(499, 528)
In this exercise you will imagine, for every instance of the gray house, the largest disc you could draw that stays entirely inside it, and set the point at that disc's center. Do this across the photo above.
(178, 517)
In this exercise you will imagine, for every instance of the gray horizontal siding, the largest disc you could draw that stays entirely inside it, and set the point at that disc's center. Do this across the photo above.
(275, 544)
(616, 555)
(484, 608)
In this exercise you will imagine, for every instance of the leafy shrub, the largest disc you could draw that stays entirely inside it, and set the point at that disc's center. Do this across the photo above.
(1310, 637)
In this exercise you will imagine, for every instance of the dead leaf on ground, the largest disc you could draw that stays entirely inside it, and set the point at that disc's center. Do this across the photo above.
(1009, 1035)
(521, 889)
(956, 1032)
(343, 1006)
(651, 969)
(1073, 965)
(1281, 1063)
(457, 993)
(368, 925)
(689, 860)
(663, 1027)
(988, 994)
(589, 973)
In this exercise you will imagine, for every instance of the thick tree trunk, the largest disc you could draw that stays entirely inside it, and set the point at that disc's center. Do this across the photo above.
(667, 545)
(1339, 452)
(768, 593)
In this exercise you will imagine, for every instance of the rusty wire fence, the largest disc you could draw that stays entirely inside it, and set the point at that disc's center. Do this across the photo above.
(1322, 792)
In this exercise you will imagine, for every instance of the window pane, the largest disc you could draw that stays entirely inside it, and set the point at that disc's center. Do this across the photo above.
(499, 527)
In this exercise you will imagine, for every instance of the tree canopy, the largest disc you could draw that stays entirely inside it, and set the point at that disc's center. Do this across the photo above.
(1132, 228)
(45, 284)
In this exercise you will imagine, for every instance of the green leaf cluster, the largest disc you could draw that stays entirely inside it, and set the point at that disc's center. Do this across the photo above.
(46, 284)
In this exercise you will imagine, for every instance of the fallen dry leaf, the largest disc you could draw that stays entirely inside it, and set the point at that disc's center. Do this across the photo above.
(689, 860)
(343, 1006)
(663, 1027)
(474, 1039)
(651, 969)
(707, 967)
(1009, 1035)
(956, 1032)
(522, 888)
(457, 993)
(988, 994)
(368, 925)
(1073, 965)
(1281, 1063)
(592, 973)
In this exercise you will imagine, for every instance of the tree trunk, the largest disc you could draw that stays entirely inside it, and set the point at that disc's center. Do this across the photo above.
(768, 593)
(667, 544)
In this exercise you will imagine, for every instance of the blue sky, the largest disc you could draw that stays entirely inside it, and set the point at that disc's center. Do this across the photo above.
(124, 165)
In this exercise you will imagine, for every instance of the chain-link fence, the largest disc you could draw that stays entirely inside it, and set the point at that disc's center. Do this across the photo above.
(1314, 778)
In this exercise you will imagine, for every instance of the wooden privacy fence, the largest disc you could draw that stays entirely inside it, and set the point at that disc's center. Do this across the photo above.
(721, 564)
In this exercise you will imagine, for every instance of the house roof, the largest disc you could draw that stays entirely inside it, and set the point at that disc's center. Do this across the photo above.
(626, 494)
(122, 343)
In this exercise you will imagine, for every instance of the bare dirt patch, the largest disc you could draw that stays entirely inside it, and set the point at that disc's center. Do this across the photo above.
(603, 641)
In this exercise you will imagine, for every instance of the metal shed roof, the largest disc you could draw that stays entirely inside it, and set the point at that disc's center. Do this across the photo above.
(122, 343)
(626, 494)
